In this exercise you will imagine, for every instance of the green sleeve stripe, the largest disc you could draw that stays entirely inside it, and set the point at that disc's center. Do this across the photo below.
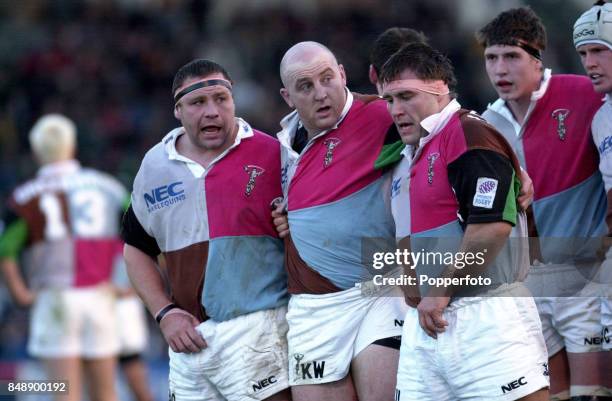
(389, 154)
(510, 209)
(126, 203)
(13, 239)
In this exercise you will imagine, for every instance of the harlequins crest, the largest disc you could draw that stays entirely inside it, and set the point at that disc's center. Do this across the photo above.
(431, 159)
(331, 144)
(253, 172)
(560, 115)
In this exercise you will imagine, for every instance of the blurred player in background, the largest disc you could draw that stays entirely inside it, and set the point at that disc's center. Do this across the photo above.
(593, 41)
(547, 118)
(65, 220)
(202, 198)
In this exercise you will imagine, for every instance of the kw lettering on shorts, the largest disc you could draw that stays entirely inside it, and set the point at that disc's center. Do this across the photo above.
(318, 369)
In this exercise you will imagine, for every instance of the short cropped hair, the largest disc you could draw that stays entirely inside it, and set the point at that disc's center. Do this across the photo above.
(512, 25)
(197, 68)
(53, 138)
(424, 61)
(390, 41)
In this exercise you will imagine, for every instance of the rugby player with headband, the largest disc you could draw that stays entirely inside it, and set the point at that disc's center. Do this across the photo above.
(547, 120)
(464, 184)
(202, 199)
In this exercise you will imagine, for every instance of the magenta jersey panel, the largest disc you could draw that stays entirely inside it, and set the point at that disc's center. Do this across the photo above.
(341, 162)
(94, 260)
(247, 179)
(564, 131)
(430, 188)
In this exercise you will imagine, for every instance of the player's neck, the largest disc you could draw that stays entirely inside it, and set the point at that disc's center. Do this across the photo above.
(519, 108)
(201, 155)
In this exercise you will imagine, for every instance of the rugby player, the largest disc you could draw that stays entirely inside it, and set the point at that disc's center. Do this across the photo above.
(460, 343)
(593, 42)
(546, 118)
(202, 199)
(66, 221)
(343, 344)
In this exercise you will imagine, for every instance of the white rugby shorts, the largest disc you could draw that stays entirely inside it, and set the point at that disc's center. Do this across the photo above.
(492, 349)
(327, 331)
(246, 359)
(74, 322)
(131, 326)
(572, 321)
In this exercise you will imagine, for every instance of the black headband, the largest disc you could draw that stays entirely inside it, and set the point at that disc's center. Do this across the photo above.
(202, 84)
(529, 49)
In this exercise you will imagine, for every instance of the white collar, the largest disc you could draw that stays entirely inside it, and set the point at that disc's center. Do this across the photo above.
(538, 94)
(169, 141)
(435, 122)
(60, 167)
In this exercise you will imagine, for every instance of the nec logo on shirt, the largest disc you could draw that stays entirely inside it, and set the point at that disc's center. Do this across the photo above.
(165, 195)
(485, 192)
(605, 145)
(396, 187)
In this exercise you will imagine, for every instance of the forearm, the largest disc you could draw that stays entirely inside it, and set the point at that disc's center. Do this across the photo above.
(486, 240)
(146, 279)
(15, 282)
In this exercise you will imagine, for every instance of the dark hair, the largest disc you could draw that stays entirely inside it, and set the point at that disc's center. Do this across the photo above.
(197, 68)
(390, 41)
(426, 62)
(512, 25)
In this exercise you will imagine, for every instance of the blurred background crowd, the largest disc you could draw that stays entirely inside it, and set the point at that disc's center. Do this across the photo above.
(109, 64)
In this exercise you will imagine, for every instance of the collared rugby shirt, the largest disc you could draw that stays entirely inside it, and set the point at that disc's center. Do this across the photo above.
(213, 225)
(336, 197)
(67, 219)
(555, 147)
(463, 172)
(602, 135)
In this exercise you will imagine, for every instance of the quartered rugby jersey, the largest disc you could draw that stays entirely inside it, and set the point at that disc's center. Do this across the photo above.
(213, 226)
(555, 147)
(463, 172)
(68, 221)
(602, 135)
(336, 197)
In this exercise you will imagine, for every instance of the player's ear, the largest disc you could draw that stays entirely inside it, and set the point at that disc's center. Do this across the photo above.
(285, 94)
(176, 112)
(342, 74)
(373, 75)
